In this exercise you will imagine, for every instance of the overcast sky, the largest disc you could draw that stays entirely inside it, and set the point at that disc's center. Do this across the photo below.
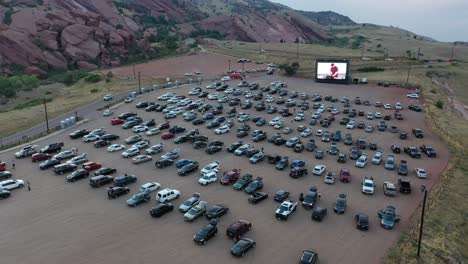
(443, 20)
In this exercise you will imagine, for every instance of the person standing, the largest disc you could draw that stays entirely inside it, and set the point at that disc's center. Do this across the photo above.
(29, 186)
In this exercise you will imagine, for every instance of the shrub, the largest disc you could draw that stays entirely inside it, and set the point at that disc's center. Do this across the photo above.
(371, 69)
(439, 104)
(94, 90)
(7, 17)
(93, 78)
(68, 80)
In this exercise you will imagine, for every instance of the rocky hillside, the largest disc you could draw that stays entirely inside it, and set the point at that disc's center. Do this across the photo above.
(37, 36)
(328, 18)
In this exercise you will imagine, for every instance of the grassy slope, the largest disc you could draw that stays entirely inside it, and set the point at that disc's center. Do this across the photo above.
(66, 99)
(445, 229)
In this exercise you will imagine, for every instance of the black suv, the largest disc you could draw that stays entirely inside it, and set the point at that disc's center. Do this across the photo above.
(52, 148)
(100, 180)
(124, 180)
(238, 228)
(77, 175)
(64, 168)
(207, 232)
(162, 163)
(110, 137)
(189, 168)
(161, 209)
(79, 133)
(117, 191)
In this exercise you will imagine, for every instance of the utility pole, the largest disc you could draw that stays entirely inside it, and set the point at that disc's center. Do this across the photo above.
(260, 47)
(243, 67)
(139, 83)
(134, 73)
(451, 56)
(46, 117)
(409, 70)
(419, 51)
(229, 63)
(362, 51)
(422, 221)
(297, 50)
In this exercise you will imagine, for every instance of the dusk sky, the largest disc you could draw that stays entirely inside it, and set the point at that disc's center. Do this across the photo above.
(443, 20)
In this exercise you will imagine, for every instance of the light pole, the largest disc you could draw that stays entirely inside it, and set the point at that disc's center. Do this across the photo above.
(423, 189)
(229, 63)
(409, 70)
(46, 117)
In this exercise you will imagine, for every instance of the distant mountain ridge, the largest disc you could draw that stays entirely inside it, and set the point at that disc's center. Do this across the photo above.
(328, 18)
(41, 35)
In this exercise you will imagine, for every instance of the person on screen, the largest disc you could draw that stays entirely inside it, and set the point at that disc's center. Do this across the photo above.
(334, 71)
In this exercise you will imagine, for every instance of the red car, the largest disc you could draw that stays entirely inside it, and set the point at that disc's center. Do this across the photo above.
(163, 126)
(117, 121)
(345, 175)
(167, 136)
(230, 177)
(40, 157)
(2, 166)
(216, 112)
(89, 166)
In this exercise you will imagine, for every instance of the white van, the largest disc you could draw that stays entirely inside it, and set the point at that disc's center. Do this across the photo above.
(167, 195)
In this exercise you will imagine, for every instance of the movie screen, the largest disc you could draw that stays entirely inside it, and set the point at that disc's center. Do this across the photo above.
(332, 70)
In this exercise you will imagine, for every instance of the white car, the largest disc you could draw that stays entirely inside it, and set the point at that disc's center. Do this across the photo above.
(275, 121)
(158, 148)
(11, 184)
(188, 74)
(413, 95)
(243, 117)
(319, 133)
(208, 178)
(211, 86)
(229, 91)
(174, 100)
(141, 144)
(307, 132)
(108, 97)
(299, 117)
(128, 99)
(362, 161)
(248, 95)
(378, 115)
(78, 159)
(387, 106)
(213, 96)
(398, 106)
(377, 159)
(107, 112)
(153, 131)
(170, 115)
(150, 187)
(351, 124)
(91, 137)
(222, 130)
(420, 173)
(319, 169)
(225, 79)
(368, 185)
(115, 147)
(370, 116)
(241, 150)
(329, 178)
(166, 96)
(141, 159)
(66, 154)
(139, 128)
(130, 152)
(214, 166)
(167, 195)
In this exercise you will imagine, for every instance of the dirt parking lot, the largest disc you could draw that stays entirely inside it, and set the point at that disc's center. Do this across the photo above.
(60, 222)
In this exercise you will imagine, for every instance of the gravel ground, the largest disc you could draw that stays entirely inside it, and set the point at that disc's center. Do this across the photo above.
(59, 222)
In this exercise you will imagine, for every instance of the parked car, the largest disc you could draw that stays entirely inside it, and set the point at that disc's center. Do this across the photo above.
(117, 191)
(138, 198)
(319, 213)
(206, 233)
(238, 228)
(389, 188)
(362, 221)
(388, 217)
(161, 209)
(257, 197)
(255, 185)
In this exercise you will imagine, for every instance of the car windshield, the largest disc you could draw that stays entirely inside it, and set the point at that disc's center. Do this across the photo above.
(188, 203)
(203, 232)
(192, 211)
(368, 184)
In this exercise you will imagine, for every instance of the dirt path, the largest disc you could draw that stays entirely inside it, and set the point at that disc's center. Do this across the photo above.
(454, 102)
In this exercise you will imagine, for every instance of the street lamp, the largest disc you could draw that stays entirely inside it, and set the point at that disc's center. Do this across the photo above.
(229, 63)
(424, 190)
